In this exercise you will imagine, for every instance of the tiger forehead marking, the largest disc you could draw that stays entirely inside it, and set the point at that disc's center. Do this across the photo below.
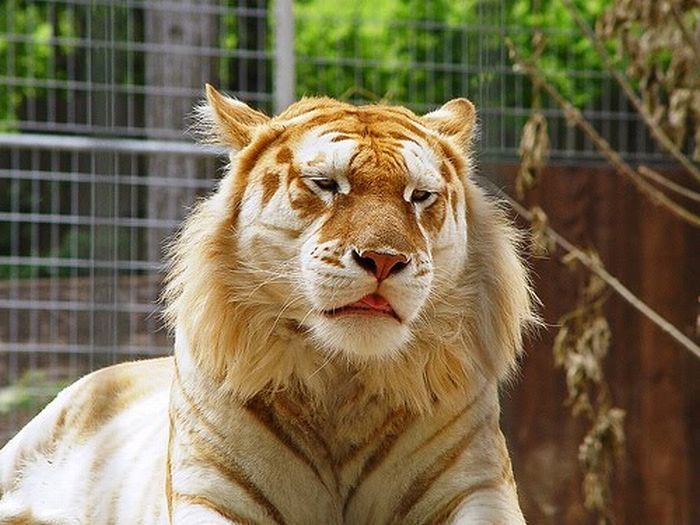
(374, 168)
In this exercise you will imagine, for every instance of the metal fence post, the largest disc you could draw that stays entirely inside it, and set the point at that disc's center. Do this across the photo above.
(284, 72)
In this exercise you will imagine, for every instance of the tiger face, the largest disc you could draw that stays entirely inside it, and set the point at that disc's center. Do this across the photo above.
(347, 242)
(362, 208)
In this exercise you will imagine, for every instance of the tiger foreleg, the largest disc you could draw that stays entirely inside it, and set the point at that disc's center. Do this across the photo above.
(489, 508)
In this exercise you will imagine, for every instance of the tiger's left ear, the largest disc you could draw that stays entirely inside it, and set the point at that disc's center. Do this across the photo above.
(456, 119)
(227, 121)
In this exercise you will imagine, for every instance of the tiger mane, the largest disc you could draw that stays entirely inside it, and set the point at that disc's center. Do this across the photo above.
(235, 332)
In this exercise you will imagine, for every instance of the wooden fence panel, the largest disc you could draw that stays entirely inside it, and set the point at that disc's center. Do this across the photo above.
(652, 378)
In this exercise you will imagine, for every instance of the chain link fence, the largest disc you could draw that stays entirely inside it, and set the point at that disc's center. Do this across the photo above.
(97, 170)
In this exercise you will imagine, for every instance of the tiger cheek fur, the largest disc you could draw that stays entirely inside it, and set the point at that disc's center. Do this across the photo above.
(344, 308)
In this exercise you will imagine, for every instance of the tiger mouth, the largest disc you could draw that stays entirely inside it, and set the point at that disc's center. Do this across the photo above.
(371, 305)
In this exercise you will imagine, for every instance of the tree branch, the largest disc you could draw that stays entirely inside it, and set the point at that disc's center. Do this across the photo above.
(574, 115)
(668, 184)
(659, 134)
(692, 42)
(614, 283)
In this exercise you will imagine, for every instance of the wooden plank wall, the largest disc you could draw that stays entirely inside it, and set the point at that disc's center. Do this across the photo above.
(651, 377)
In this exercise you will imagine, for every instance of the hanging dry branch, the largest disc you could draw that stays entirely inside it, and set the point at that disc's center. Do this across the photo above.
(654, 175)
(614, 283)
(574, 115)
(667, 106)
(534, 146)
(580, 347)
(690, 40)
(602, 444)
(650, 119)
(541, 244)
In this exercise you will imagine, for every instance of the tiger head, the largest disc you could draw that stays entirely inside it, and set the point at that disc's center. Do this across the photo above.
(346, 232)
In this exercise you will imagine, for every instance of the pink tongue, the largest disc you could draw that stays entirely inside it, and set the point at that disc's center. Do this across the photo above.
(375, 301)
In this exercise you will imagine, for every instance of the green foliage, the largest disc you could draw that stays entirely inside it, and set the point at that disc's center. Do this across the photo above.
(407, 51)
(566, 51)
(228, 39)
(27, 52)
(31, 393)
(382, 49)
(75, 243)
(390, 48)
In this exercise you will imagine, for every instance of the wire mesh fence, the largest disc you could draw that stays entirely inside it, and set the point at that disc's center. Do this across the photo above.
(96, 168)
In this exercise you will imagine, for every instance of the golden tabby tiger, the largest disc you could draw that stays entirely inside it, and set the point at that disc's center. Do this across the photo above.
(344, 306)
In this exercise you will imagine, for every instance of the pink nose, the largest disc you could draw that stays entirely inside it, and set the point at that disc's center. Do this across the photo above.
(381, 265)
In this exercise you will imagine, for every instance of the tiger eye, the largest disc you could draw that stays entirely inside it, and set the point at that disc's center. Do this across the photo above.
(420, 195)
(327, 185)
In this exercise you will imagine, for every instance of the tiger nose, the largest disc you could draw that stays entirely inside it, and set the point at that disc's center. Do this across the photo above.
(381, 265)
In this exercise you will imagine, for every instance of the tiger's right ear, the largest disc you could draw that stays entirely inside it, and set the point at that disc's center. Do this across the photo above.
(224, 120)
(456, 119)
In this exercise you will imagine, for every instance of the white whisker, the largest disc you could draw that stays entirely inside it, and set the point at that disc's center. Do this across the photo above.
(328, 359)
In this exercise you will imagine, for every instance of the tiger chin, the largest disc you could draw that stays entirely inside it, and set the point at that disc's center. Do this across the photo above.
(344, 306)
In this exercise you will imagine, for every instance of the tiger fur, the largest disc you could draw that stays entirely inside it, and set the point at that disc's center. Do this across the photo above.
(344, 305)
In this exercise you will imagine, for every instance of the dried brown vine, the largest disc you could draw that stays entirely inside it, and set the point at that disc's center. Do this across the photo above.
(580, 347)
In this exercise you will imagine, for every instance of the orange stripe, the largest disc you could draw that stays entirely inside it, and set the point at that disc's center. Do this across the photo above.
(459, 415)
(211, 454)
(264, 414)
(25, 518)
(422, 483)
(112, 512)
(379, 455)
(325, 116)
(193, 406)
(454, 159)
(226, 464)
(373, 437)
(446, 171)
(346, 120)
(403, 137)
(245, 162)
(340, 137)
(237, 474)
(295, 417)
(270, 183)
(333, 261)
(203, 501)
